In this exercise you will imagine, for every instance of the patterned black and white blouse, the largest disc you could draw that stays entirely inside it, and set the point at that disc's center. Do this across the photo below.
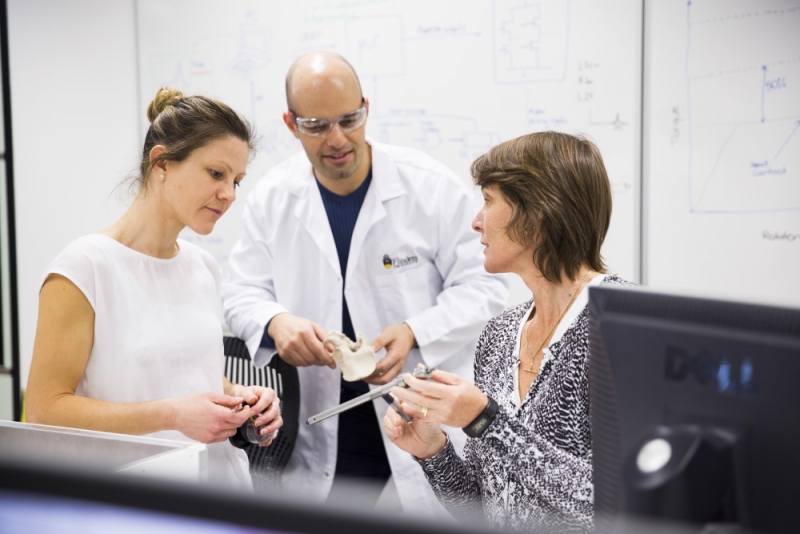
(532, 468)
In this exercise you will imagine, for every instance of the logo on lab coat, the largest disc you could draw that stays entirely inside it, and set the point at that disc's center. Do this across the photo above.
(390, 262)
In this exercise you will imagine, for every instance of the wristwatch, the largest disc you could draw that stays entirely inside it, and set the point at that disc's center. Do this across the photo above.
(479, 425)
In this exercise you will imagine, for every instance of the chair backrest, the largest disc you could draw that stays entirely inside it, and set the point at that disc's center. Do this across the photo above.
(266, 463)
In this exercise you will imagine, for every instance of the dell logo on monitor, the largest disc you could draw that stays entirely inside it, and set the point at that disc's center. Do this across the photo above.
(721, 372)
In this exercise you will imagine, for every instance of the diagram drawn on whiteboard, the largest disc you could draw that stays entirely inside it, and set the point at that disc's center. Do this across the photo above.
(459, 136)
(530, 40)
(744, 143)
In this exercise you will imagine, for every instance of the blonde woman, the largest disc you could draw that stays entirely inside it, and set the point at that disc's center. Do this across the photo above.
(129, 335)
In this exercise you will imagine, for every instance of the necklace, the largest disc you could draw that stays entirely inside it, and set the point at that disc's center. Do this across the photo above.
(533, 356)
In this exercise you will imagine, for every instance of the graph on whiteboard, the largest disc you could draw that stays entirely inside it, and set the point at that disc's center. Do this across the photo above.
(744, 66)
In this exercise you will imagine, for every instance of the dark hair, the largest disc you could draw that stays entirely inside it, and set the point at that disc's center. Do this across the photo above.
(183, 124)
(560, 195)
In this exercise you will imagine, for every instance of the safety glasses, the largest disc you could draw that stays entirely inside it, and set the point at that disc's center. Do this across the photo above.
(320, 127)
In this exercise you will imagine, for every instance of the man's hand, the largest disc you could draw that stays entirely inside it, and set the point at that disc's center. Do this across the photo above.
(299, 341)
(398, 340)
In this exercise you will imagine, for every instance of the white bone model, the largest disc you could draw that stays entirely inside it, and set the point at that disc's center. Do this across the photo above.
(355, 359)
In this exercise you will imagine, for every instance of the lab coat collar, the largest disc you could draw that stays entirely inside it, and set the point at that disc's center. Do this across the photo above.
(385, 179)
(385, 185)
(310, 210)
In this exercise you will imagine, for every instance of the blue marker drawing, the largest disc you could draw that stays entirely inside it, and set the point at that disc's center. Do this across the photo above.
(743, 113)
(376, 45)
(616, 123)
(794, 130)
(459, 136)
(530, 40)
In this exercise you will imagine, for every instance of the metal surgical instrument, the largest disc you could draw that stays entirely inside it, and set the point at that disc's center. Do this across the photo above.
(419, 372)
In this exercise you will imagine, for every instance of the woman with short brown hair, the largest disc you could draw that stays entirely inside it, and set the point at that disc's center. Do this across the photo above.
(528, 463)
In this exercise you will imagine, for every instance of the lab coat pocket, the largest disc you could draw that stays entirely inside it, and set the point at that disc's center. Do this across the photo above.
(406, 292)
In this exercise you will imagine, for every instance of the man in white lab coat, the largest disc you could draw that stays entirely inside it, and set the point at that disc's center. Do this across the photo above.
(357, 237)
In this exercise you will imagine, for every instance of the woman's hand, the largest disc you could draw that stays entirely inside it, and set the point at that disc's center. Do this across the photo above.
(265, 408)
(446, 397)
(422, 437)
(209, 417)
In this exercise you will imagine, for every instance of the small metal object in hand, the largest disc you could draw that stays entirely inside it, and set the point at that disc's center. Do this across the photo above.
(394, 404)
(419, 372)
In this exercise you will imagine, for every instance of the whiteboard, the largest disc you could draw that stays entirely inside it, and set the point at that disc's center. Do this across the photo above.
(722, 148)
(451, 78)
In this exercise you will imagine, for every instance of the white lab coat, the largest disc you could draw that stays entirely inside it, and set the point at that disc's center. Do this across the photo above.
(413, 258)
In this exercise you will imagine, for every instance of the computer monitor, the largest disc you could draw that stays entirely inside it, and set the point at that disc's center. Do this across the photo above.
(695, 410)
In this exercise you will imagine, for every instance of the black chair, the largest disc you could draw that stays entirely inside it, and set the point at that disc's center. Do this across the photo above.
(266, 463)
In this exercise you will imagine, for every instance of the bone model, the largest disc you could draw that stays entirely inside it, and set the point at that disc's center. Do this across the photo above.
(355, 359)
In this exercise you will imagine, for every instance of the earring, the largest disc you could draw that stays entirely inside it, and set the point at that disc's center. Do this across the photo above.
(162, 176)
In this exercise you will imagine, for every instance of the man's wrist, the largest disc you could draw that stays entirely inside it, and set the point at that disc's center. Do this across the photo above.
(266, 340)
(414, 344)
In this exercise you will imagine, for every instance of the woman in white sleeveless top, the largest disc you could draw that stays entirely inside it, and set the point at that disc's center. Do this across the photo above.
(129, 334)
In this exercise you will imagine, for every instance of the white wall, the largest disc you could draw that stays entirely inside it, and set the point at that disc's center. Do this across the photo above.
(74, 112)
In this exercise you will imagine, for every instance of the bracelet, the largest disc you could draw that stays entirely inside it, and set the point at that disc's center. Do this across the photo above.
(479, 425)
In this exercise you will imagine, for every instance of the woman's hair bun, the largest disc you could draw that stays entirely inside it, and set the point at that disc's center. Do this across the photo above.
(165, 97)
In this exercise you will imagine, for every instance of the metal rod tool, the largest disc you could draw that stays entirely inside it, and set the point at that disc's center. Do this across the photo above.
(419, 372)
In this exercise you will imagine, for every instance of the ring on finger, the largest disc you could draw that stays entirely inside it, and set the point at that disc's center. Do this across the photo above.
(424, 411)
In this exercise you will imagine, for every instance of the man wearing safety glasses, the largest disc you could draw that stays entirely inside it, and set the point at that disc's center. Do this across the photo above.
(361, 238)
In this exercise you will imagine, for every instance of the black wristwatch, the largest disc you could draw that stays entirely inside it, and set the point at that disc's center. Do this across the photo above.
(479, 425)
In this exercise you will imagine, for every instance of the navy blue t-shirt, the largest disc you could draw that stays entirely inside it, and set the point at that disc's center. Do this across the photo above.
(342, 216)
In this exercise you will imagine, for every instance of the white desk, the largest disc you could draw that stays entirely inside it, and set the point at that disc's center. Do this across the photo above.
(105, 451)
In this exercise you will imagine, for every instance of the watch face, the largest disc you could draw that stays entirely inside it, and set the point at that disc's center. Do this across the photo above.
(477, 428)
(481, 424)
